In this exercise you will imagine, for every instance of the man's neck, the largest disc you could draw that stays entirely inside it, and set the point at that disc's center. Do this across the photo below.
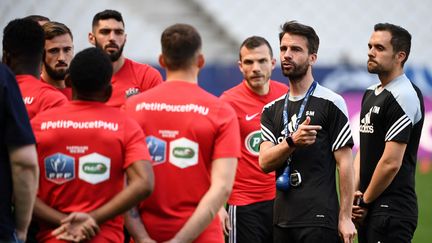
(301, 86)
(387, 77)
(25, 69)
(118, 64)
(60, 84)
(187, 75)
(260, 90)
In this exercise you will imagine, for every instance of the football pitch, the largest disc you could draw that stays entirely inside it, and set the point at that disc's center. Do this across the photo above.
(423, 233)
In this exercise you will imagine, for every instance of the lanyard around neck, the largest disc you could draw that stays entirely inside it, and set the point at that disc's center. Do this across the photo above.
(300, 112)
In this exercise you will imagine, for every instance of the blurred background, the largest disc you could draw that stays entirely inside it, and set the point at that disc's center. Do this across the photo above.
(344, 28)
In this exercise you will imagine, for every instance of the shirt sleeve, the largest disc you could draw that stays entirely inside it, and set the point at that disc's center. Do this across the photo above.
(52, 98)
(267, 126)
(398, 126)
(150, 77)
(339, 126)
(227, 143)
(136, 146)
(17, 126)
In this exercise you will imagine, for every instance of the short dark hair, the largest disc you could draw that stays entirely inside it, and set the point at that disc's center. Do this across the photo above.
(53, 29)
(401, 38)
(107, 14)
(37, 18)
(24, 39)
(180, 44)
(90, 70)
(295, 28)
(254, 42)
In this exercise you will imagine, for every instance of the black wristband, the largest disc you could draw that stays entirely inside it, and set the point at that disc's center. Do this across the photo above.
(363, 204)
(290, 141)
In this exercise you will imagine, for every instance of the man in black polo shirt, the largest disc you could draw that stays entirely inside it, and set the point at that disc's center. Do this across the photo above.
(391, 121)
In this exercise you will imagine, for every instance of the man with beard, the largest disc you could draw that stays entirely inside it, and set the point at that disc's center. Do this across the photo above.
(58, 54)
(251, 202)
(23, 46)
(391, 122)
(129, 78)
(306, 135)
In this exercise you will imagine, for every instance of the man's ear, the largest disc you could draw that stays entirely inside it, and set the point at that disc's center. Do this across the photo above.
(313, 58)
(91, 38)
(400, 56)
(162, 61)
(201, 61)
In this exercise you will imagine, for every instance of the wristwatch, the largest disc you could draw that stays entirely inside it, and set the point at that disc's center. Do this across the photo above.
(290, 141)
(363, 204)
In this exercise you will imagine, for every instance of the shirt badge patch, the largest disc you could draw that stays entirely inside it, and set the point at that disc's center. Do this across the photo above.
(183, 153)
(59, 168)
(94, 168)
(252, 142)
(157, 149)
(131, 92)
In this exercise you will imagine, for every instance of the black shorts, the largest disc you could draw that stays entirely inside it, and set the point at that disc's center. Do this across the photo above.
(385, 228)
(306, 235)
(251, 223)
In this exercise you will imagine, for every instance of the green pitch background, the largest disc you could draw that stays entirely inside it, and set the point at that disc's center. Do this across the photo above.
(423, 233)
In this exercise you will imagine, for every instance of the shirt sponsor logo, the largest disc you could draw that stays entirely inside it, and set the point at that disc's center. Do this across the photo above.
(28, 100)
(94, 168)
(131, 92)
(59, 168)
(157, 149)
(365, 122)
(194, 108)
(69, 124)
(252, 142)
(250, 117)
(183, 153)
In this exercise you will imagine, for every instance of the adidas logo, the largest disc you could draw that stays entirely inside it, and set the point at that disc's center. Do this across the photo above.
(365, 122)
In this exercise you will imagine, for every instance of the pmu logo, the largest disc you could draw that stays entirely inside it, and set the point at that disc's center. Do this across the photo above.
(365, 122)
(157, 148)
(252, 142)
(94, 168)
(131, 92)
(59, 168)
(183, 153)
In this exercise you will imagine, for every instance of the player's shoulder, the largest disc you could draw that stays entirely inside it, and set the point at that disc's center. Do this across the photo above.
(276, 102)
(326, 93)
(232, 92)
(278, 85)
(331, 96)
(407, 95)
(139, 66)
(402, 89)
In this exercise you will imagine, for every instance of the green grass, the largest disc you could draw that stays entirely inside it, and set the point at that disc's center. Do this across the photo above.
(423, 233)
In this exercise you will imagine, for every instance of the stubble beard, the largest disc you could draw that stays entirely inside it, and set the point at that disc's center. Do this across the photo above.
(297, 73)
(54, 74)
(114, 56)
